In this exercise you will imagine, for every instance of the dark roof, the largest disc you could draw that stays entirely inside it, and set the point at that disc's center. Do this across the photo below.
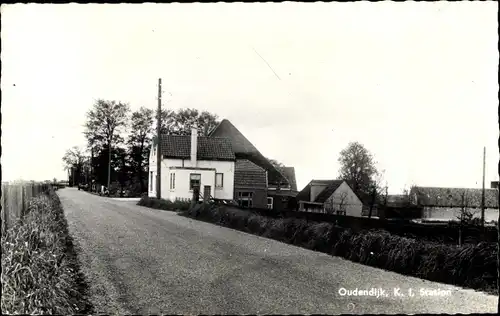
(244, 149)
(328, 191)
(248, 174)
(331, 186)
(305, 193)
(209, 148)
(452, 197)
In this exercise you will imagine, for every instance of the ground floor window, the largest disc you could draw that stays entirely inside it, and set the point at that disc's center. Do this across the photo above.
(245, 199)
(151, 181)
(194, 180)
(270, 203)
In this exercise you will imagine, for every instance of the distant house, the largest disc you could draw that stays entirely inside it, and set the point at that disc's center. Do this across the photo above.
(192, 160)
(446, 203)
(251, 164)
(329, 196)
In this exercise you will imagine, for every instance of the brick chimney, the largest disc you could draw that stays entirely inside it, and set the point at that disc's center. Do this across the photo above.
(194, 144)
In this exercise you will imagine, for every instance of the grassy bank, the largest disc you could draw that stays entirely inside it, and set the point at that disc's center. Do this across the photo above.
(162, 204)
(40, 270)
(472, 265)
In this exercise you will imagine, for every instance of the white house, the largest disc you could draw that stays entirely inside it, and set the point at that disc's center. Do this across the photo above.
(189, 160)
(330, 196)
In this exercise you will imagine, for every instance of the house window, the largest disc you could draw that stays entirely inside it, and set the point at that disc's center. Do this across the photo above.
(219, 180)
(172, 181)
(270, 203)
(151, 181)
(194, 180)
(341, 212)
(245, 199)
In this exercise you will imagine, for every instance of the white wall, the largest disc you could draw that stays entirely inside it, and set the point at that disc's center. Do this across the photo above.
(152, 167)
(449, 213)
(352, 204)
(182, 177)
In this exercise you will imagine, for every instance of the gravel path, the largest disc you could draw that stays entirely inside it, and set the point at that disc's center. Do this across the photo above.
(144, 261)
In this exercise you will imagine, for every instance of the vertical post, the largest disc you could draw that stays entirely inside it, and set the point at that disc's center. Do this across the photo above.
(158, 147)
(483, 193)
(109, 165)
(91, 166)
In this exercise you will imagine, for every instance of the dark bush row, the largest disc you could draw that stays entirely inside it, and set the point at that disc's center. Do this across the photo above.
(40, 271)
(162, 204)
(472, 266)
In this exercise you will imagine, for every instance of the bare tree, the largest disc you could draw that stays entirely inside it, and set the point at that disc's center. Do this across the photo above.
(337, 204)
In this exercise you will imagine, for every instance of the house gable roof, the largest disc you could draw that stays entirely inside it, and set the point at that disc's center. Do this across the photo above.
(289, 174)
(328, 191)
(244, 149)
(209, 148)
(248, 174)
(331, 187)
(452, 197)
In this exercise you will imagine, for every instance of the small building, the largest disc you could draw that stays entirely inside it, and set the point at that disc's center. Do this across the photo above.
(447, 203)
(329, 196)
(250, 184)
(192, 160)
(282, 196)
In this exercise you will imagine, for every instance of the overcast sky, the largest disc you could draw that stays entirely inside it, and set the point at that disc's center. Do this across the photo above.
(416, 83)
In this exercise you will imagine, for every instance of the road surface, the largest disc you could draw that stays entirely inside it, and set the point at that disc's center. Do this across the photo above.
(144, 261)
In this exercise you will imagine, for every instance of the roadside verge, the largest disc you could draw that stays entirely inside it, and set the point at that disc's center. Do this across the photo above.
(40, 270)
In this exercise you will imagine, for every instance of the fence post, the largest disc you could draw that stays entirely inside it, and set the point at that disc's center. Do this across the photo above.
(5, 208)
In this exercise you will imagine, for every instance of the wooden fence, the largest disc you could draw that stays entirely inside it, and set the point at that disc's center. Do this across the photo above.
(15, 200)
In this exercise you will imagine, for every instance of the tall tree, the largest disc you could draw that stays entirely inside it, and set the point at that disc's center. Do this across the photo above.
(139, 143)
(181, 122)
(74, 161)
(357, 167)
(104, 123)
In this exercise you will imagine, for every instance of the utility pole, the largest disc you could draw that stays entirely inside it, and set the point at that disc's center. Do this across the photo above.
(91, 167)
(158, 147)
(483, 192)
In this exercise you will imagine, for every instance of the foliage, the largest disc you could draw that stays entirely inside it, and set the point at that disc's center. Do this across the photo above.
(76, 162)
(40, 272)
(181, 122)
(162, 204)
(104, 123)
(432, 261)
(139, 144)
(357, 168)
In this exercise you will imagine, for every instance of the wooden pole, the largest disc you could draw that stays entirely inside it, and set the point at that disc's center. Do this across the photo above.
(158, 150)
(483, 192)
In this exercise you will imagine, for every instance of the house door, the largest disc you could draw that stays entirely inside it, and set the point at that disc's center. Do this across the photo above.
(206, 192)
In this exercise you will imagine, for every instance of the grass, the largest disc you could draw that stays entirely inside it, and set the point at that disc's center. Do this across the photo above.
(40, 271)
(162, 204)
(472, 265)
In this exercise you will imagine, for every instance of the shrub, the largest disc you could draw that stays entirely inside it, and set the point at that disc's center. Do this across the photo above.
(471, 265)
(162, 204)
(40, 273)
